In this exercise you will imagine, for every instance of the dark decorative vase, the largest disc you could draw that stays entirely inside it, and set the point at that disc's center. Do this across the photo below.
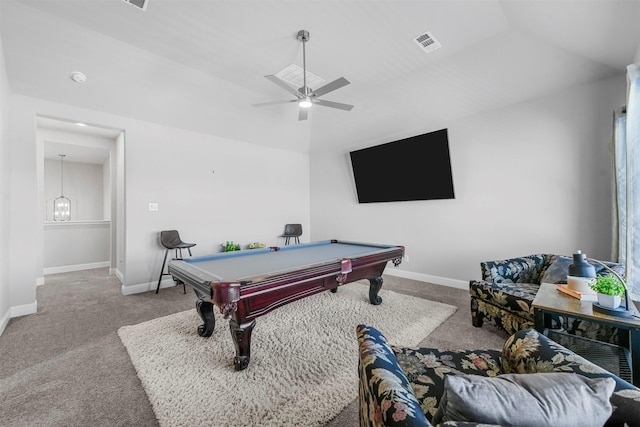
(580, 266)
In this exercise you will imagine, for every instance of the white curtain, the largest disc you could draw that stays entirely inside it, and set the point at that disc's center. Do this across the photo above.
(627, 182)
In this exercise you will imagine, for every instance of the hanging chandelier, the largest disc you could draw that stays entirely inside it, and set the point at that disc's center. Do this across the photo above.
(61, 205)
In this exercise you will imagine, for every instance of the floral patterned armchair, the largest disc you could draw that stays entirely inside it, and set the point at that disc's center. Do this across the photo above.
(404, 386)
(508, 287)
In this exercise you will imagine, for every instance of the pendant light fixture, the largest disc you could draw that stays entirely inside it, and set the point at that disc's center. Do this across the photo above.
(62, 205)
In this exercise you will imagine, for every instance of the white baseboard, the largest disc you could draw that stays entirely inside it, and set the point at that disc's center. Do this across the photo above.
(23, 310)
(17, 311)
(39, 281)
(4, 320)
(77, 267)
(135, 289)
(444, 281)
(146, 287)
(118, 274)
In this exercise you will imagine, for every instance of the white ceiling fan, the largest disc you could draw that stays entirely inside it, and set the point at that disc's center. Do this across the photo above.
(305, 96)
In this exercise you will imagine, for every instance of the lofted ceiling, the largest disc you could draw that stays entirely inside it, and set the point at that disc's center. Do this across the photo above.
(200, 64)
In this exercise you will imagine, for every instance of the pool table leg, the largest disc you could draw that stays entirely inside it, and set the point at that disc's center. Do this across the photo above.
(374, 287)
(241, 335)
(205, 310)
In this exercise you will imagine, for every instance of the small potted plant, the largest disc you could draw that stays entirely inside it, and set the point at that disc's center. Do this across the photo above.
(609, 290)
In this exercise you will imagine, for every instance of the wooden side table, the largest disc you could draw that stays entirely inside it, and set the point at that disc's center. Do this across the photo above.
(550, 301)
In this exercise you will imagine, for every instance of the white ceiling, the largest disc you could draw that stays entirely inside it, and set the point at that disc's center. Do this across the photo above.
(75, 153)
(199, 64)
(69, 141)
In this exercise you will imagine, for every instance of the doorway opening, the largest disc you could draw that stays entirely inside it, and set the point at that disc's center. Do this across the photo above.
(83, 164)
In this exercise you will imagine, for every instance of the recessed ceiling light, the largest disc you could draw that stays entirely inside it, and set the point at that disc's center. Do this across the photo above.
(78, 77)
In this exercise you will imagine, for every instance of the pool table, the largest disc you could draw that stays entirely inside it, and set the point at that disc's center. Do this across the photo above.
(250, 283)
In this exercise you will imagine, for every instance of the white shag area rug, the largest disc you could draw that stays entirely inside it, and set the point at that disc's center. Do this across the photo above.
(304, 359)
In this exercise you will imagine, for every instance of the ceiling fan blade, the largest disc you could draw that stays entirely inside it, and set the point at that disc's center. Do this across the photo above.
(283, 85)
(263, 104)
(329, 87)
(332, 104)
(302, 115)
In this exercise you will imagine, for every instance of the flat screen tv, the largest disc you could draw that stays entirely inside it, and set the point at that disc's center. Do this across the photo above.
(416, 168)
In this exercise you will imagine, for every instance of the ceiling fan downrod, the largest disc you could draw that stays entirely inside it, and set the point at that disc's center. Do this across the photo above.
(303, 36)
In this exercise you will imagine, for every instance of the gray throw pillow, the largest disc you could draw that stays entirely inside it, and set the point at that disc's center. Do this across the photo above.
(558, 270)
(531, 400)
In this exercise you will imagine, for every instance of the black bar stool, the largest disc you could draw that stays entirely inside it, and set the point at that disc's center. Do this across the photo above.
(292, 230)
(170, 239)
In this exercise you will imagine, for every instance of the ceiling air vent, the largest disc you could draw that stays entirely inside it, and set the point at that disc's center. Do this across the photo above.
(427, 42)
(140, 4)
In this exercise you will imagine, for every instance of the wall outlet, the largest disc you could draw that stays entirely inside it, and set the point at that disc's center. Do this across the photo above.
(406, 258)
(153, 207)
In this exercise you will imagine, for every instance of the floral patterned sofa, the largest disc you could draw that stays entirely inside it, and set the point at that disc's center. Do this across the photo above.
(405, 386)
(508, 287)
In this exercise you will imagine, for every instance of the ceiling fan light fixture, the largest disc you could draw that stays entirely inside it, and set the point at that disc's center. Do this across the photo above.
(305, 102)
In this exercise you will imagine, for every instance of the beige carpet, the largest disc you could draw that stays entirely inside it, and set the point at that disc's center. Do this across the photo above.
(303, 368)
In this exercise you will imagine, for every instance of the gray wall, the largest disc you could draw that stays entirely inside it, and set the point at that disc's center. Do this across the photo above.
(72, 246)
(533, 177)
(254, 191)
(83, 185)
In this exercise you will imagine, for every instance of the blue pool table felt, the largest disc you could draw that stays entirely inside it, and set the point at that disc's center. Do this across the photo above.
(244, 265)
